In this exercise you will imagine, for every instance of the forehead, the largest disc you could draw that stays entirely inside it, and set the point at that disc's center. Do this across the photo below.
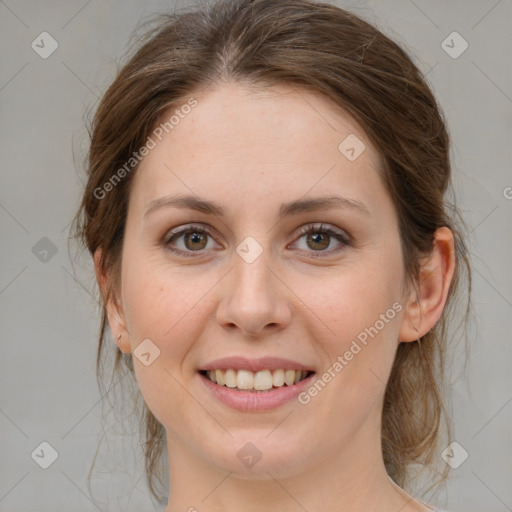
(242, 142)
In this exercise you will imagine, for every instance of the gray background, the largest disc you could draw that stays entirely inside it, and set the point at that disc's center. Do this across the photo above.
(50, 319)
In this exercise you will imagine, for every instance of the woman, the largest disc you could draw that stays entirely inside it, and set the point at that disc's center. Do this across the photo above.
(266, 211)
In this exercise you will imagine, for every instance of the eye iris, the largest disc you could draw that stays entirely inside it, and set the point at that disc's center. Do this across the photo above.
(195, 237)
(315, 238)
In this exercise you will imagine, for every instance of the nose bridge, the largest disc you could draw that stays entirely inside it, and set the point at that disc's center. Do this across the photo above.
(253, 279)
(253, 297)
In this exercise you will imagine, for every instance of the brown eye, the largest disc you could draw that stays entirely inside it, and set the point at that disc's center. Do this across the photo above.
(194, 239)
(318, 241)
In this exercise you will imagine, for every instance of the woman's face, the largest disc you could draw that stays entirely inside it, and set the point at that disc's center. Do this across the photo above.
(252, 286)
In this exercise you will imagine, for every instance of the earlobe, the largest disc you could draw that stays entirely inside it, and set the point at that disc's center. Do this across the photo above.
(123, 344)
(117, 324)
(425, 305)
(113, 306)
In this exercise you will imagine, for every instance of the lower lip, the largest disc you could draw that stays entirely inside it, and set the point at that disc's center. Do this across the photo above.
(247, 401)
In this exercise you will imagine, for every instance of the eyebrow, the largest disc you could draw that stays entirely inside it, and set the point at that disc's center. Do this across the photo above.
(286, 209)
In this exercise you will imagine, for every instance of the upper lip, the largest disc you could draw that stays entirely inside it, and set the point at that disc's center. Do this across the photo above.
(255, 365)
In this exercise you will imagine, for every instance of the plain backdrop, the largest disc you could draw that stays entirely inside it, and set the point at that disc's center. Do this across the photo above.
(49, 319)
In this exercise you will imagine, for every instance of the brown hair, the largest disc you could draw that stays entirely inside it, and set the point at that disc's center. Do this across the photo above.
(321, 48)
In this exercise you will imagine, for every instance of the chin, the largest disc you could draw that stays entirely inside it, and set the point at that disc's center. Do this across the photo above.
(254, 457)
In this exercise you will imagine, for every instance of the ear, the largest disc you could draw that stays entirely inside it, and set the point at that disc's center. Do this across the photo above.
(425, 305)
(114, 307)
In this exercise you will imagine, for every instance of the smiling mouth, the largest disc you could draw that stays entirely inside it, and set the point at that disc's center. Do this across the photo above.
(258, 382)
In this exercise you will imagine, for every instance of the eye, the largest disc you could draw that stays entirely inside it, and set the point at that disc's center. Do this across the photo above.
(194, 240)
(319, 237)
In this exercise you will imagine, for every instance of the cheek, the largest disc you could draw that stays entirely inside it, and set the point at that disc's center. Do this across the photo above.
(359, 319)
(170, 306)
(349, 303)
(166, 308)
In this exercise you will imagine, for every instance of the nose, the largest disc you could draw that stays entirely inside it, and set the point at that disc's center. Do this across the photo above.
(254, 299)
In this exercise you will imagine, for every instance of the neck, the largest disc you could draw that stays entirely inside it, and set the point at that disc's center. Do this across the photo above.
(352, 479)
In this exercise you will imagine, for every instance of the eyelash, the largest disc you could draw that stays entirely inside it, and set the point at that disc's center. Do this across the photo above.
(313, 228)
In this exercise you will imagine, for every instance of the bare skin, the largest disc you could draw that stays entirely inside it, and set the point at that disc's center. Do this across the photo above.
(250, 152)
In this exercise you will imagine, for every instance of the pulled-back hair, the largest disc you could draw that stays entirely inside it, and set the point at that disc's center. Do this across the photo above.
(315, 47)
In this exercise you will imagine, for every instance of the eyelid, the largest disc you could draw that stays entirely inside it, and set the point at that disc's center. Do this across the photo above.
(183, 229)
(343, 238)
(202, 228)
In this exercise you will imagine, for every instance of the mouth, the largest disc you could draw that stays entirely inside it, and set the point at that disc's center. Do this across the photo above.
(263, 381)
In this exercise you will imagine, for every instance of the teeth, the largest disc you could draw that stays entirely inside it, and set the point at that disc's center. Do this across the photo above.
(278, 378)
(219, 377)
(255, 381)
(289, 377)
(229, 378)
(263, 380)
(244, 380)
